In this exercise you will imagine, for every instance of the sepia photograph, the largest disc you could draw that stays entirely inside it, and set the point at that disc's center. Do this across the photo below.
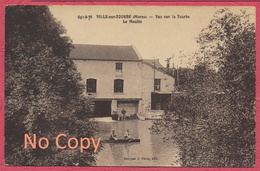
(130, 86)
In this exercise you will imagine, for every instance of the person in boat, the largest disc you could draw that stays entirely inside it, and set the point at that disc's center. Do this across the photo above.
(127, 135)
(113, 136)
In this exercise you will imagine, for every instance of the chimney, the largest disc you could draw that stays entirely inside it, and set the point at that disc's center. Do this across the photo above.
(173, 69)
(168, 66)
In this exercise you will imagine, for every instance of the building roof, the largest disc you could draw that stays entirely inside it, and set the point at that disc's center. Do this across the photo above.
(154, 61)
(158, 66)
(104, 52)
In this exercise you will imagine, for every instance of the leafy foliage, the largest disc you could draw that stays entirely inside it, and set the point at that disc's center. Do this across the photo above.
(213, 120)
(201, 77)
(43, 94)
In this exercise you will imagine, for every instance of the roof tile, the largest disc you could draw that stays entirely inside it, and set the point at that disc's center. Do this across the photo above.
(104, 52)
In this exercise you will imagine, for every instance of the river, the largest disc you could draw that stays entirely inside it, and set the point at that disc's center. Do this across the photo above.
(151, 151)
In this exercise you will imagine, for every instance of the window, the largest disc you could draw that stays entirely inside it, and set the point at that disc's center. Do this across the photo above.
(118, 86)
(157, 84)
(92, 85)
(119, 67)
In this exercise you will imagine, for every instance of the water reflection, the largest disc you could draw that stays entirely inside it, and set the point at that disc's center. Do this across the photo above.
(151, 151)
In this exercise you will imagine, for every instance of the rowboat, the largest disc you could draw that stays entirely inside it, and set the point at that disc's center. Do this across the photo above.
(122, 141)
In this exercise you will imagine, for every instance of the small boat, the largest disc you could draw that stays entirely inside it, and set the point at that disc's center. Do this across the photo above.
(122, 141)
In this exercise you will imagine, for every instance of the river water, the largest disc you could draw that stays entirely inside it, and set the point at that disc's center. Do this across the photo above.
(151, 151)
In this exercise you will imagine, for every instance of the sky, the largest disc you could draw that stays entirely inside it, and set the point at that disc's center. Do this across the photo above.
(154, 38)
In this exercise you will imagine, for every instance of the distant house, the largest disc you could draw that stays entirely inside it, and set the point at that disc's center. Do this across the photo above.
(117, 77)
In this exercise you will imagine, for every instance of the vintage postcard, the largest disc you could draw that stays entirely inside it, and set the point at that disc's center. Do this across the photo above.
(143, 86)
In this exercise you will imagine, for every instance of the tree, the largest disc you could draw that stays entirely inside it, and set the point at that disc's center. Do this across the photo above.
(201, 77)
(231, 40)
(43, 94)
(217, 129)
